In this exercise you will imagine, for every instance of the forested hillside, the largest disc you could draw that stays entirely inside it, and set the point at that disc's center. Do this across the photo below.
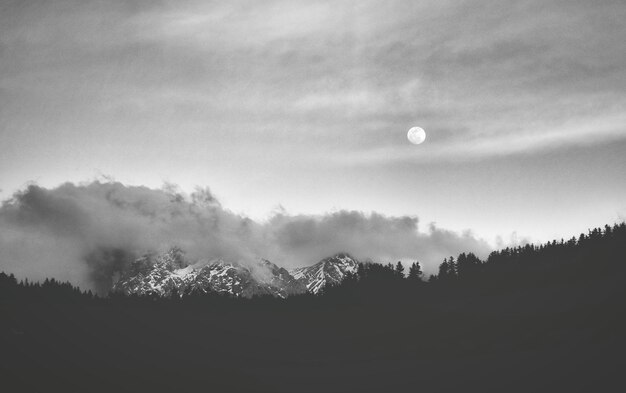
(545, 317)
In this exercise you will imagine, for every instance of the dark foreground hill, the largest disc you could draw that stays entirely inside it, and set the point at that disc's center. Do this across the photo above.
(530, 319)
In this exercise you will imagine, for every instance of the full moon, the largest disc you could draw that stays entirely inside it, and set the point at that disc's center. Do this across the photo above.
(416, 135)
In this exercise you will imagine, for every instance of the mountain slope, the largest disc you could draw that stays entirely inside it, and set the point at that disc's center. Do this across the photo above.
(168, 273)
(327, 271)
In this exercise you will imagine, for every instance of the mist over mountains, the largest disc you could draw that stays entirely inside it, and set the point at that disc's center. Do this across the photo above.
(87, 233)
(171, 275)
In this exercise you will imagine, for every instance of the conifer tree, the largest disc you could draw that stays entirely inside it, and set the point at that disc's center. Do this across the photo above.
(444, 270)
(452, 267)
(400, 269)
(415, 272)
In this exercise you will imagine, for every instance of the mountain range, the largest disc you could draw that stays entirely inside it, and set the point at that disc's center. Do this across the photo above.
(170, 274)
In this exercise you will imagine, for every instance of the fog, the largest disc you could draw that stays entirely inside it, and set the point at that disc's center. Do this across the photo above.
(85, 233)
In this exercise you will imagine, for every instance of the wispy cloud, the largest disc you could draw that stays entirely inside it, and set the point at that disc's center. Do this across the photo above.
(468, 68)
(492, 143)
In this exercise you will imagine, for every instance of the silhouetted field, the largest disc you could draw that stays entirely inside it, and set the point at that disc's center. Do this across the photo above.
(530, 319)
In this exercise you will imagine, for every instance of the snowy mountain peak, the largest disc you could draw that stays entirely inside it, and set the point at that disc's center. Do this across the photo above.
(328, 271)
(170, 272)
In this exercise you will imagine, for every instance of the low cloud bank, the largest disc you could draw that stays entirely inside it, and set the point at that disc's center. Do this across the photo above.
(86, 233)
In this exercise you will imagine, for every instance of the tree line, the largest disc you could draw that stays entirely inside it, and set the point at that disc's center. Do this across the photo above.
(526, 265)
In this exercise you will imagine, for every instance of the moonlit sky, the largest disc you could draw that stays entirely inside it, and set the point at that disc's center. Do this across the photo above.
(305, 106)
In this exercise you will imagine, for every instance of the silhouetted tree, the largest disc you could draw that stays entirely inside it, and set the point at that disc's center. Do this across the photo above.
(415, 272)
(452, 267)
(467, 265)
(447, 270)
(444, 270)
(400, 269)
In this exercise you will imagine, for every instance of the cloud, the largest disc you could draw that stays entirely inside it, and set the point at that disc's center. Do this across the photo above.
(86, 233)
(490, 143)
(367, 236)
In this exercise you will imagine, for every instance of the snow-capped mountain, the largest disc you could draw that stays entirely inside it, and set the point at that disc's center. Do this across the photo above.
(169, 273)
(164, 274)
(278, 278)
(327, 271)
(156, 274)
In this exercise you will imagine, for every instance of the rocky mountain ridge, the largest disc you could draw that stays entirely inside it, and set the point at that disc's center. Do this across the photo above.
(170, 274)
(328, 271)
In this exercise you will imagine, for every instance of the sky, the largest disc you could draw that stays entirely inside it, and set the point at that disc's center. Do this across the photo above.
(303, 106)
